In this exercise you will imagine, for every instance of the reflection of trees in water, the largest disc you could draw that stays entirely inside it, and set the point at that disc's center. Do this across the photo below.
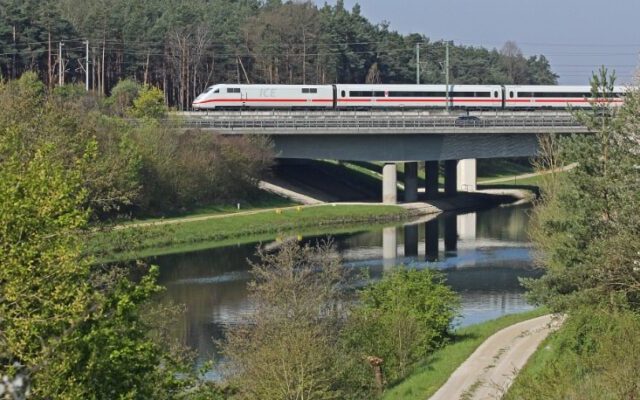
(489, 279)
(504, 223)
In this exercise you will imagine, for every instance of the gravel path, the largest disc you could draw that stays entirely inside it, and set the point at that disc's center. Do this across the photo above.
(490, 370)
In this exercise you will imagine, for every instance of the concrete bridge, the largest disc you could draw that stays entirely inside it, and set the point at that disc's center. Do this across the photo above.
(396, 136)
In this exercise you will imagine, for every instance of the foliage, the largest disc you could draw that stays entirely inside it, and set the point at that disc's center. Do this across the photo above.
(402, 319)
(122, 96)
(149, 103)
(432, 372)
(74, 330)
(147, 167)
(593, 356)
(586, 227)
(286, 347)
(183, 47)
(185, 169)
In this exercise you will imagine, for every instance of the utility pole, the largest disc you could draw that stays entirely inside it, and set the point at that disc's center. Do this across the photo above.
(60, 65)
(86, 70)
(417, 63)
(446, 66)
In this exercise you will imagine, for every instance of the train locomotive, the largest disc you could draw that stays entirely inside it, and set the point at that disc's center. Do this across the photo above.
(359, 97)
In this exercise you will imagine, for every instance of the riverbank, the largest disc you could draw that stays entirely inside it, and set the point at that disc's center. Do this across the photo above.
(136, 239)
(434, 372)
(142, 238)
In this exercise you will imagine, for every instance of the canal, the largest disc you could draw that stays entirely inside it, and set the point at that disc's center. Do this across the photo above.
(483, 255)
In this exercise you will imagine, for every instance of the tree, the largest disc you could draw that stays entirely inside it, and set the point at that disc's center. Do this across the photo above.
(514, 63)
(286, 348)
(586, 225)
(149, 104)
(72, 328)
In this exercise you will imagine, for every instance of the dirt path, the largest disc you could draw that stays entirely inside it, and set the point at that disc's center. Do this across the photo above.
(490, 370)
(525, 176)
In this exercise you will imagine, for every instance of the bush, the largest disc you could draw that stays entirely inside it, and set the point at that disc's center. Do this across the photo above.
(149, 104)
(402, 318)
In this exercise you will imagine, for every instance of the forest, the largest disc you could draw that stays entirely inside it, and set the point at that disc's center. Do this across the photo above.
(182, 47)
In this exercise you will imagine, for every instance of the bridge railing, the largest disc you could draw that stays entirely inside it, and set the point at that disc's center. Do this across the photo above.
(356, 122)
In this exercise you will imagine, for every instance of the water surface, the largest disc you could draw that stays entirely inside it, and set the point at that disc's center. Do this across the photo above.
(483, 254)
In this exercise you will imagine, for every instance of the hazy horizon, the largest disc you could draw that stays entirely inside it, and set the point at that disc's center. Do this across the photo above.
(576, 36)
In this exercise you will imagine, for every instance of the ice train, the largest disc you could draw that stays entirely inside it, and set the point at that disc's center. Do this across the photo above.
(344, 97)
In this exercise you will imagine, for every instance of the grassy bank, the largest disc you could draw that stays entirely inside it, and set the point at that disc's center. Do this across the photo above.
(594, 356)
(260, 201)
(132, 242)
(430, 375)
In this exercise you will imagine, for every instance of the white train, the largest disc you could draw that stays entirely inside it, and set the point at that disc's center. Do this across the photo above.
(474, 97)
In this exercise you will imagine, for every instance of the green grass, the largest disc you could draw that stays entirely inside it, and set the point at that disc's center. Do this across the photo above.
(593, 356)
(430, 375)
(489, 169)
(133, 241)
(262, 200)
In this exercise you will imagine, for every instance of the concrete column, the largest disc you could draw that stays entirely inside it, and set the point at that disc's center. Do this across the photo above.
(450, 177)
(431, 239)
(467, 226)
(450, 233)
(389, 184)
(431, 181)
(467, 175)
(411, 240)
(410, 182)
(389, 247)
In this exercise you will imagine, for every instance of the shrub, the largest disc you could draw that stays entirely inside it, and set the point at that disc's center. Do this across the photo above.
(401, 318)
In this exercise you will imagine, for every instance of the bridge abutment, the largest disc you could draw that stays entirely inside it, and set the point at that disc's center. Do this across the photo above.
(390, 183)
(410, 182)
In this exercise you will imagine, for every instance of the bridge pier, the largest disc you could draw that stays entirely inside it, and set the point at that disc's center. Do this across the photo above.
(431, 179)
(410, 182)
(389, 248)
(431, 240)
(450, 233)
(467, 175)
(411, 237)
(390, 183)
(450, 177)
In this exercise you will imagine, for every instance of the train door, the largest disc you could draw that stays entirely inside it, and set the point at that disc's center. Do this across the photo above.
(335, 96)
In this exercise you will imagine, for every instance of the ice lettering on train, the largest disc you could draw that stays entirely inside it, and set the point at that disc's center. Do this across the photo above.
(267, 93)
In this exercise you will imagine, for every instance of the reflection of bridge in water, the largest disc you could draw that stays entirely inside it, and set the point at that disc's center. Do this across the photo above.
(441, 242)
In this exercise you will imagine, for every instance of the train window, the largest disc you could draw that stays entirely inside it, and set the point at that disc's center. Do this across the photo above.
(361, 94)
(343, 93)
(305, 90)
(233, 90)
(527, 94)
(378, 94)
(417, 94)
(216, 91)
(495, 94)
(510, 94)
(313, 90)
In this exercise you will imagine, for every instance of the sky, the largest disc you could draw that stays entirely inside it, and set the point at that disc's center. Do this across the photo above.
(577, 36)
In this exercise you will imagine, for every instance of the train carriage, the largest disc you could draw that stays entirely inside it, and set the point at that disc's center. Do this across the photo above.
(419, 96)
(541, 96)
(345, 97)
(230, 96)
